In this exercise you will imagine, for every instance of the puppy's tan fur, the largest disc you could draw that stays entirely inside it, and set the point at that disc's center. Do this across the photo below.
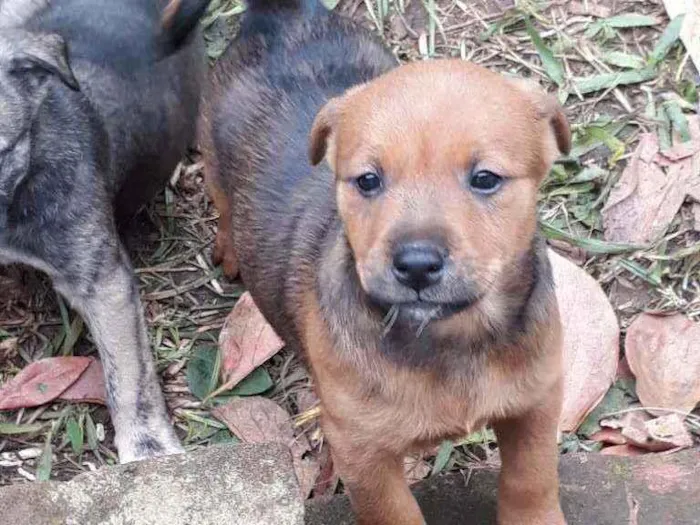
(312, 249)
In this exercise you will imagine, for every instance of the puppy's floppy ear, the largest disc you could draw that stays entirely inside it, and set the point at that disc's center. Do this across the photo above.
(323, 125)
(321, 140)
(43, 53)
(551, 110)
(559, 124)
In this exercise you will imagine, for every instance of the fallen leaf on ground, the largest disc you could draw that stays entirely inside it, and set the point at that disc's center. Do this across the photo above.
(42, 381)
(610, 436)
(663, 352)
(327, 481)
(247, 340)
(415, 469)
(261, 420)
(90, 386)
(671, 430)
(640, 430)
(645, 200)
(614, 400)
(623, 450)
(623, 370)
(590, 355)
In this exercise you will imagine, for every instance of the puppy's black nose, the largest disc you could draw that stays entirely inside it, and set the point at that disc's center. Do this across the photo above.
(418, 265)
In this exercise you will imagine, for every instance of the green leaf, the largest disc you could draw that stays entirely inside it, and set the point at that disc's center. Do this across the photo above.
(589, 174)
(203, 371)
(257, 382)
(624, 60)
(602, 81)
(613, 401)
(43, 469)
(477, 438)
(678, 120)
(72, 336)
(75, 435)
(668, 39)
(593, 246)
(551, 64)
(591, 137)
(12, 429)
(330, 4)
(443, 457)
(223, 436)
(641, 272)
(630, 20)
(572, 189)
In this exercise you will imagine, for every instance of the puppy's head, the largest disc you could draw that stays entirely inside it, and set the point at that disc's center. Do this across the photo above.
(28, 62)
(437, 167)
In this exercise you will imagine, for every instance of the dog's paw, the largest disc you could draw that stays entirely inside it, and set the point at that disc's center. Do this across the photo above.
(147, 447)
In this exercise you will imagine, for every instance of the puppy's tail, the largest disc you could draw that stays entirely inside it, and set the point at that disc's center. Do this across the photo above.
(179, 21)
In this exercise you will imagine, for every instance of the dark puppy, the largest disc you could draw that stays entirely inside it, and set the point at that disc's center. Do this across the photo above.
(98, 102)
(408, 269)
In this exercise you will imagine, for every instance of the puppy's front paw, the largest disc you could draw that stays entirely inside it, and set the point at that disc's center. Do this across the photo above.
(544, 516)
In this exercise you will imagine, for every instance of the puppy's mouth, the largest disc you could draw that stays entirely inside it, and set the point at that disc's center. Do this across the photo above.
(420, 312)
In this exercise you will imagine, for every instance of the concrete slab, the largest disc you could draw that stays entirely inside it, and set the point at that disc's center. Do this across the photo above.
(226, 484)
(595, 490)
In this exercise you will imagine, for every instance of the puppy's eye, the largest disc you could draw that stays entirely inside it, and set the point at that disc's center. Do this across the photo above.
(485, 182)
(369, 184)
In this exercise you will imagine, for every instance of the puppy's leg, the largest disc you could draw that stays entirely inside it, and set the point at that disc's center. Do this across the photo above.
(224, 252)
(374, 480)
(112, 310)
(529, 482)
(90, 268)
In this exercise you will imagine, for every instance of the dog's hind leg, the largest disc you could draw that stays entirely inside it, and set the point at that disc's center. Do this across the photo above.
(91, 269)
(113, 312)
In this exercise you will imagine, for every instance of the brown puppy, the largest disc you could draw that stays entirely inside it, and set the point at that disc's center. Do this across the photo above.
(408, 267)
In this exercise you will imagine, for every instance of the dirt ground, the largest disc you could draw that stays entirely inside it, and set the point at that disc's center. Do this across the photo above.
(186, 299)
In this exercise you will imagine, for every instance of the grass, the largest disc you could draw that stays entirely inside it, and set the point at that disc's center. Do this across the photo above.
(619, 77)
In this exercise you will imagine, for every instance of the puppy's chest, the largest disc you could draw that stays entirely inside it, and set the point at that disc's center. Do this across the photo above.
(415, 411)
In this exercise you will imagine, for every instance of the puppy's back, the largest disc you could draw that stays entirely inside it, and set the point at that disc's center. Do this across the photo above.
(288, 60)
(145, 89)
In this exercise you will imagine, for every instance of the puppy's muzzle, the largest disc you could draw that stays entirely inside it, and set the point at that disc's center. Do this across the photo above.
(419, 265)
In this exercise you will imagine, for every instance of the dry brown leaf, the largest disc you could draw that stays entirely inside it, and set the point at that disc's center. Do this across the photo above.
(327, 481)
(610, 436)
(671, 430)
(655, 435)
(591, 340)
(246, 341)
(623, 450)
(260, 420)
(415, 469)
(632, 427)
(42, 381)
(645, 200)
(664, 355)
(90, 386)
